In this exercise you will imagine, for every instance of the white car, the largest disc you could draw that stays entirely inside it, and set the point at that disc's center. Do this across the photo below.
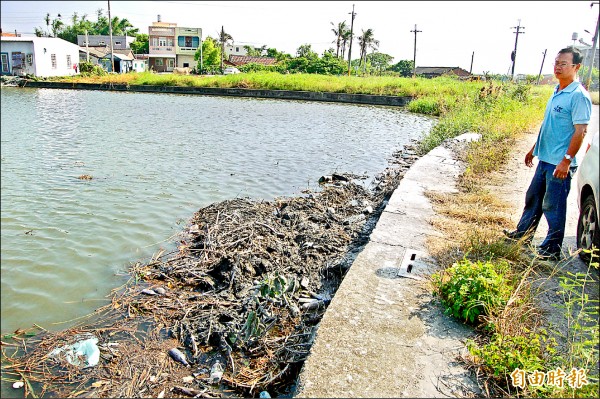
(230, 71)
(588, 230)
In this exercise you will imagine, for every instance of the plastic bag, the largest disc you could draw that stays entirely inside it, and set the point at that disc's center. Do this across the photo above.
(83, 351)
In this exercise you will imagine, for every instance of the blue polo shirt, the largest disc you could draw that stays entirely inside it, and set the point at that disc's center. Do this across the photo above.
(566, 108)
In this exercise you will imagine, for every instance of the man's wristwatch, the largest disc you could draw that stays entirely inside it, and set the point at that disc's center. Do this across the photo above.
(568, 157)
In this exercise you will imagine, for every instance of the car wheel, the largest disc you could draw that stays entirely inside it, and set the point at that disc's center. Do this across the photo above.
(587, 228)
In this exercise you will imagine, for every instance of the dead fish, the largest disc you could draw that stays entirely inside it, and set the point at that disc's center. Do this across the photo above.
(148, 291)
(178, 356)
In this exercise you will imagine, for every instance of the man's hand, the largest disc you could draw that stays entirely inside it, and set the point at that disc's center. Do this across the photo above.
(562, 169)
(529, 159)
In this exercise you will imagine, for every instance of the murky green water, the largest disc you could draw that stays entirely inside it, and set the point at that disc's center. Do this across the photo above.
(154, 159)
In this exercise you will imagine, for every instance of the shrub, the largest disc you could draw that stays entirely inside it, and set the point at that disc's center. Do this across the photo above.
(469, 289)
(89, 69)
(503, 354)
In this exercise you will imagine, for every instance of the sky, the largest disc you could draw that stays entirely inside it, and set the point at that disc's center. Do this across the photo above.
(452, 33)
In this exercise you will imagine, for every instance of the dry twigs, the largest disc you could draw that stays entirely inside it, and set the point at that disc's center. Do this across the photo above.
(247, 286)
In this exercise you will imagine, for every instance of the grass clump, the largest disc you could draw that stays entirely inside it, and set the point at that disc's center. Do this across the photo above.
(472, 289)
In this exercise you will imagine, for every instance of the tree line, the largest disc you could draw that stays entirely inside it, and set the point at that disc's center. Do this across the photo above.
(306, 60)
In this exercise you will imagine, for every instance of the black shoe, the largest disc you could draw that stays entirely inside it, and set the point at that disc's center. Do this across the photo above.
(545, 255)
(516, 235)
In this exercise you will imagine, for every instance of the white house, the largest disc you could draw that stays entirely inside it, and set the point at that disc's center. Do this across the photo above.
(233, 49)
(139, 65)
(39, 56)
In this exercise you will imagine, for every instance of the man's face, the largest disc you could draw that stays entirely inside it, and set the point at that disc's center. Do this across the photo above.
(564, 67)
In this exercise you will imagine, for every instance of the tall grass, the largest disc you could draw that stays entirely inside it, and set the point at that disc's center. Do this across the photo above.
(383, 85)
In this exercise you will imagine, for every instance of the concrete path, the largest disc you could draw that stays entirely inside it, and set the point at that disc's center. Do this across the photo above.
(381, 335)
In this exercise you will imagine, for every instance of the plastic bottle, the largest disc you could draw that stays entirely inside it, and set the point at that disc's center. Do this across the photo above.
(216, 373)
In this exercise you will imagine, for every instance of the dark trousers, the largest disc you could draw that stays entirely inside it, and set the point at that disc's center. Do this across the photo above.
(547, 195)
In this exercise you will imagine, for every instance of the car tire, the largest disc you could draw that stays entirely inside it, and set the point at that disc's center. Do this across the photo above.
(587, 228)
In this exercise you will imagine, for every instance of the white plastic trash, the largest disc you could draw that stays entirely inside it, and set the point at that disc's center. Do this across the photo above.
(85, 349)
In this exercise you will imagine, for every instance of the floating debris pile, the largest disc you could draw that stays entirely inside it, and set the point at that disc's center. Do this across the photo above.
(234, 310)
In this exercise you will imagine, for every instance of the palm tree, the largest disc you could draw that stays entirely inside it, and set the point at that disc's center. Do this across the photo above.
(224, 38)
(346, 35)
(47, 19)
(121, 25)
(341, 28)
(57, 26)
(366, 42)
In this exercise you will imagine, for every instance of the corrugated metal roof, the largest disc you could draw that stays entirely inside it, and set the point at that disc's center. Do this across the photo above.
(245, 59)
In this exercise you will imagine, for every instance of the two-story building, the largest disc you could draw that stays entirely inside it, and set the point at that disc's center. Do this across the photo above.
(162, 54)
(187, 43)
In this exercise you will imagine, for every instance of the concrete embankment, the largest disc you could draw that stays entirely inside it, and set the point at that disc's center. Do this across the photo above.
(382, 334)
(232, 92)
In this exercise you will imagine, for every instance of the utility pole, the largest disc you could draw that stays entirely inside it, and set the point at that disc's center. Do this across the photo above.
(201, 64)
(87, 48)
(588, 79)
(541, 67)
(112, 53)
(351, 37)
(222, 46)
(415, 52)
(471, 69)
(513, 55)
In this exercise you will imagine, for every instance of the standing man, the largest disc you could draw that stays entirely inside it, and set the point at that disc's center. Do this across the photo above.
(565, 123)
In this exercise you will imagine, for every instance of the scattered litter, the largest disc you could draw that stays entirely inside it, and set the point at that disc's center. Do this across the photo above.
(18, 384)
(216, 373)
(84, 352)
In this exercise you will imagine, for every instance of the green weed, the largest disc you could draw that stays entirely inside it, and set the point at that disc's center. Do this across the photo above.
(473, 289)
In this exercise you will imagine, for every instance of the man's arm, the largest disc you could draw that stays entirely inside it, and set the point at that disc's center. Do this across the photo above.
(529, 157)
(562, 169)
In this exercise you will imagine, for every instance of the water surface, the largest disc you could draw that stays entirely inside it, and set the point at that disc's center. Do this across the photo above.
(154, 160)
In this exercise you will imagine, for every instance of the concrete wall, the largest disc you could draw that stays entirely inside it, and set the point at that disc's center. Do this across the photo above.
(211, 91)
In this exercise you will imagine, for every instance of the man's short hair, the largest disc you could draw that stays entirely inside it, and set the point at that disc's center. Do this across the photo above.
(577, 56)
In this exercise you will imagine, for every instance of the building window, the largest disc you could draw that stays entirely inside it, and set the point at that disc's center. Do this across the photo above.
(53, 59)
(18, 60)
(159, 62)
(237, 49)
(154, 42)
(170, 42)
(162, 41)
(188, 41)
(117, 43)
(4, 62)
(186, 64)
(69, 61)
(30, 59)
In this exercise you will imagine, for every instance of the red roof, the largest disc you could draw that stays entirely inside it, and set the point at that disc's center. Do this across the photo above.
(244, 59)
